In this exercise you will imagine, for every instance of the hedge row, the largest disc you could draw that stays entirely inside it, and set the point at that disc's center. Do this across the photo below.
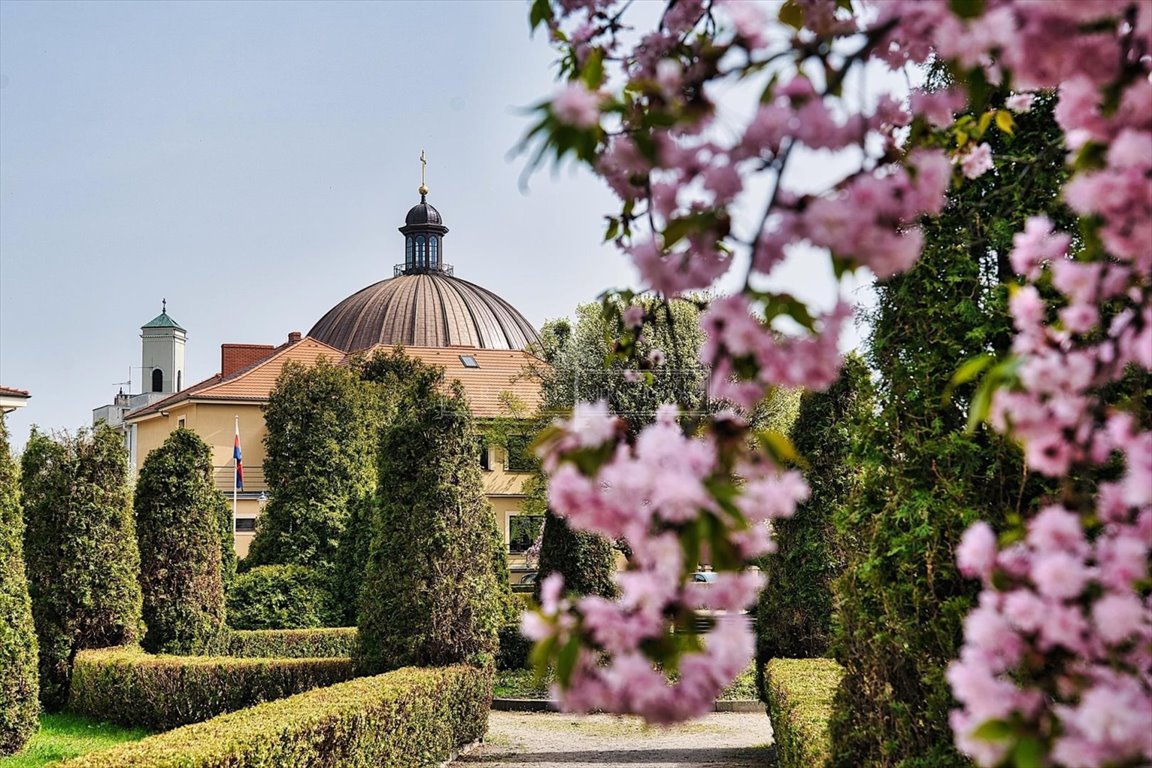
(325, 643)
(402, 719)
(799, 697)
(129, 687)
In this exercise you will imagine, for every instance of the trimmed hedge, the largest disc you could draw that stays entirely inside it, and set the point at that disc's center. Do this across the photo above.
(799, 695)
(129, 687)
(402, 719)
(324, 643)
(281, 597)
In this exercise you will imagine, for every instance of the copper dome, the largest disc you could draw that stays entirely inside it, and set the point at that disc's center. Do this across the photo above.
(431, 309)
(422, 213)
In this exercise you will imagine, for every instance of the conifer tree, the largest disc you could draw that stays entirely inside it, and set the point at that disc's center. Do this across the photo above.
(794, 616)
(924, 481)
(178, 529)
(80, 550)
(430, 595)
(19, 704)
(319, 445)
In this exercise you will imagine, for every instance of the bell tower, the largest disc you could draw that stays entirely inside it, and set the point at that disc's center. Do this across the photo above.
(423, 232)
(162, 354)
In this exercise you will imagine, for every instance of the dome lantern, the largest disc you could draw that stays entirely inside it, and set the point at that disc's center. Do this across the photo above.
(423, 232)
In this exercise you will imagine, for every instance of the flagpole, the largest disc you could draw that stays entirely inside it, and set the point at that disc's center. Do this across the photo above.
(235, 494)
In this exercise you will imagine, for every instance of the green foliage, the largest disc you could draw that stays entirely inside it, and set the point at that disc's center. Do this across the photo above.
(321, 423)
(178, 529)
(281, 597)
(923, 481)
(324, 643)
(794, 614)
(80, 550)
(409, 718)
(63, 736)
(19, 703)
(799, 694)
(430, 593)
(585, 560)
(129, 687)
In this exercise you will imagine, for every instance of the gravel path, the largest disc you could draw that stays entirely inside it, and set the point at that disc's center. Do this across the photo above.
(549, 740)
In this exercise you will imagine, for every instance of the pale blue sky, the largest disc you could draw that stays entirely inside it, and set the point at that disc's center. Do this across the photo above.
(250, 162)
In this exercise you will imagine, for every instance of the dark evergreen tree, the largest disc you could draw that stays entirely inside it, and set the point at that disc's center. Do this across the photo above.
(178, 530)
(321, 426)
(900, 600)
(794, 614)
(80, 550)
(19, 689)
(430, 595)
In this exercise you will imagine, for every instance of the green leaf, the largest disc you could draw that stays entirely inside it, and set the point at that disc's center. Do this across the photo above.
(985, 122)
(613, 229)
(566, 660)
(778, 446)
(981, 405)
(967, 9)
(1028, 753)
(792, 14)
(994, 730)
(593, 73)
(966, 373)
(541, 13)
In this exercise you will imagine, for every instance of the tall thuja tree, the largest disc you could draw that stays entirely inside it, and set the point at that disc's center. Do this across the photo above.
(794, 615)
(924, 479)
(80, 549)
(321, 426)
(387, 376)
(19, 705)
(430, 595)
(585, 364)
(178, 529)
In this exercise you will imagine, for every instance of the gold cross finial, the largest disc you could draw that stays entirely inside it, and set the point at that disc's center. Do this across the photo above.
(423, 165)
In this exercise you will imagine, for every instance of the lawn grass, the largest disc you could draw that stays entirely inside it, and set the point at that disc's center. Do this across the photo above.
(63, 736)
(521, 684)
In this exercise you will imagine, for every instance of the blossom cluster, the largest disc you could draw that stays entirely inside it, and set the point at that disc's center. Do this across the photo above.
(1058, 654)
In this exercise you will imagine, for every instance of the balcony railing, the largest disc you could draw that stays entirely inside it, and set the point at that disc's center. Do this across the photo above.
(254, 481)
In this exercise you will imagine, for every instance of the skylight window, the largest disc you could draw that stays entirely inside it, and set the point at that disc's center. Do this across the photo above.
(469, 361)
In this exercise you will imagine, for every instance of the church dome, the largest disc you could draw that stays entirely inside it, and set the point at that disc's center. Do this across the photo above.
(424, 310)
(424, 304)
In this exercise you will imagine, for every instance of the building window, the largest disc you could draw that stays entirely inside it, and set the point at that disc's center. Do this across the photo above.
(434, 251)
(180, 422)
(408, 258)
(421, 255)
(483, 450)
(523, 531)
(245, 524)
(520, 458)
(179, 380)
(157, 380)
(469, 361)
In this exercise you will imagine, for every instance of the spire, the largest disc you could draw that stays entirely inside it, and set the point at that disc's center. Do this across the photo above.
(423, 190)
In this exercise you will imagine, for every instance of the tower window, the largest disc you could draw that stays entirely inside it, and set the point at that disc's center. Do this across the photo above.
(433, 251)
(421, 255)
(408, 251)
(179, 380)
(157, 380)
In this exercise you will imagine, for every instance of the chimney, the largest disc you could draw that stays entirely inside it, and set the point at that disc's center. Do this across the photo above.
(233, 357)
(293, 337)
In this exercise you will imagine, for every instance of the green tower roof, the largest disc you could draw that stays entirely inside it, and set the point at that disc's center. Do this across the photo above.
(162, 320)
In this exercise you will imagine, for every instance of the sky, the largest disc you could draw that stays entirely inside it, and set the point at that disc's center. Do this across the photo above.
(250, 163)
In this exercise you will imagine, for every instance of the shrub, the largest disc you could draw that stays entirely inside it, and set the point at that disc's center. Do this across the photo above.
(19, 707)
(430, 594)
(321, 428)
(80, 550)
(799, 696)
(280, 597)
(130, 687)
(178, 528)
(331, 642)
(404, 719)
(901, 601)
(794, 614)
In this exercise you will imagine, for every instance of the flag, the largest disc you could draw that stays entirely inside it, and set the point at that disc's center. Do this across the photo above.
(239, 461)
